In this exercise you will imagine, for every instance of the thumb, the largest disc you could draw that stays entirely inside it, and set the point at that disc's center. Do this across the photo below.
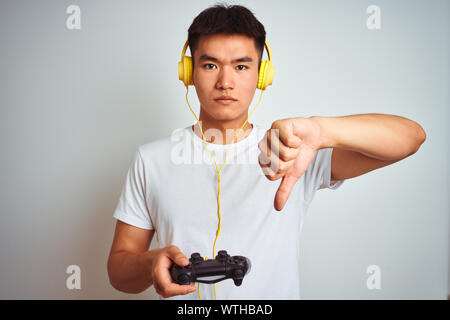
(177, 256)
(284, 190)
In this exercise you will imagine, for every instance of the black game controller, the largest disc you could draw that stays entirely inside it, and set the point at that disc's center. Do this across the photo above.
(212, 271)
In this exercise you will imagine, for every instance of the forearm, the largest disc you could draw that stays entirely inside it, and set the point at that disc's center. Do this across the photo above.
(380, 136)
(131, 272)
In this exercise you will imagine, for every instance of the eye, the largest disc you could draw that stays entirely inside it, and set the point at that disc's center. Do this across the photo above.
(241, 67)
(209, 66)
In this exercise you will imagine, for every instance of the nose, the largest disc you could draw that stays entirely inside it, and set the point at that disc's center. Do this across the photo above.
(225, 80)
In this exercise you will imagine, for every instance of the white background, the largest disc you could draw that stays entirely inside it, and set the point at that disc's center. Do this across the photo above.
(76, 104)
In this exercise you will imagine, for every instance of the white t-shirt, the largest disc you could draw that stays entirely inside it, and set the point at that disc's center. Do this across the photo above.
(171, 187)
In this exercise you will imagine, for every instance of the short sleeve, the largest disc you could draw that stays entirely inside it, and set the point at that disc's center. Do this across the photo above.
(133, 207)
(318, 174)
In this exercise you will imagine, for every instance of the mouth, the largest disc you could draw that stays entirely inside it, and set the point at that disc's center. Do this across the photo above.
(225, 100)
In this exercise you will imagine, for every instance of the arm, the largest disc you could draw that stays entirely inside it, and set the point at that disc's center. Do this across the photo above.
(133, 269)
(127, 269)
(361, 143)
(365, 142)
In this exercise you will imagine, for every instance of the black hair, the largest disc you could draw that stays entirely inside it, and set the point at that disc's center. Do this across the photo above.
(225, 19)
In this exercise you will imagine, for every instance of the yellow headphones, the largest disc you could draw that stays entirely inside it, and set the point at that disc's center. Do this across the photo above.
(265, 77)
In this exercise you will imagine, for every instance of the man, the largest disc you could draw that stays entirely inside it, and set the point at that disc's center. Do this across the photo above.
(262, 216)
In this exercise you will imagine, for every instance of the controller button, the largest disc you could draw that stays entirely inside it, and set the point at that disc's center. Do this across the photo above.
(238, 274)
(238, 260)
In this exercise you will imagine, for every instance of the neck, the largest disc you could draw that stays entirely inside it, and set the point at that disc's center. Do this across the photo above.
(222, 131)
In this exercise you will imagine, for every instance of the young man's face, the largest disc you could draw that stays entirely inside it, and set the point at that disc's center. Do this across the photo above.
(225, 65)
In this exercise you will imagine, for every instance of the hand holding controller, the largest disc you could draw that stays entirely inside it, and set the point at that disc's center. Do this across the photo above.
(211, 271)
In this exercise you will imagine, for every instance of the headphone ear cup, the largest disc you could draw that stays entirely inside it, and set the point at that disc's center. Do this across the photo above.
(270, 73)
(266, 74)
(262, 72)
(185, 71)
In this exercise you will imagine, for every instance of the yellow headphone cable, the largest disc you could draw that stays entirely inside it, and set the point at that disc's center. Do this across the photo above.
(218, 176)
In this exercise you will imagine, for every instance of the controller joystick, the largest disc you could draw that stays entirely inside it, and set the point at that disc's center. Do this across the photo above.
(196, 258)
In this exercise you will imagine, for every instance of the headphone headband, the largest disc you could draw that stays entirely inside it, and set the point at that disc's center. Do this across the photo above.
(184, 49)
